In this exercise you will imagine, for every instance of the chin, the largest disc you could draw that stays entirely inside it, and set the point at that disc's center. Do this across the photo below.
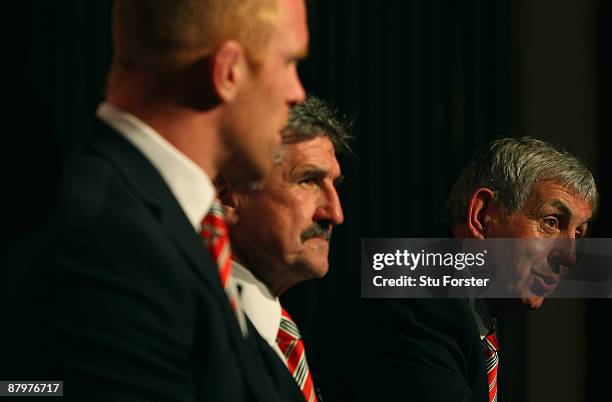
(319, 272)
(314, 269)
(533, 302)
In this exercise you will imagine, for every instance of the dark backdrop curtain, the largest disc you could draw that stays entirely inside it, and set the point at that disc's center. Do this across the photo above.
(425, 81)
(598, 313)
(58, 53)
(69, 56)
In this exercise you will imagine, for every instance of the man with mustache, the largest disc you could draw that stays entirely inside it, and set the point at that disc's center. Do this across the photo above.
(446, 350)
(280, 228)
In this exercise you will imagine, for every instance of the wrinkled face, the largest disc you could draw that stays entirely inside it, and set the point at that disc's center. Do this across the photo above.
(284, 227)
(271, 86)
(557, 217)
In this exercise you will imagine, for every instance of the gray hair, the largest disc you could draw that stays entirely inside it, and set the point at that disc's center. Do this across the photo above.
(511, 167)
(315, 118)
(311, 119)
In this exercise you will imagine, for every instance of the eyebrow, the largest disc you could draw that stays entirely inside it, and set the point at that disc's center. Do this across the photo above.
(565, 210)
(312, 171)
(561, 206)
(319, 173)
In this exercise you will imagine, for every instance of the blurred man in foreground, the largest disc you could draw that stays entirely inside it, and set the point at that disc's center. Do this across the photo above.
(130, 301)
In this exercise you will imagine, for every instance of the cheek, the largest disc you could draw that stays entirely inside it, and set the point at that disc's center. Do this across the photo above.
(260, 236)
(515, 265)
(281, 80)
(530, 253)
(278, 226)
(536, 253)
(270, 77)
(523, 264)
(255, 221)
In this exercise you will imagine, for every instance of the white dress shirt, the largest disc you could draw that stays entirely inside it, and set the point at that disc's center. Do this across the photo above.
(259, 304)
(189, 184)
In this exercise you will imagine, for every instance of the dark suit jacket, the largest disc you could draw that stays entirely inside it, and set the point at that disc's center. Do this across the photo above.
(420, 350)
(285, 383)
(124, 303)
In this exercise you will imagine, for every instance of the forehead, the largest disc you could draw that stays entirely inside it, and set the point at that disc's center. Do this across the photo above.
(294, 27)
(317, 153)
(552, 195)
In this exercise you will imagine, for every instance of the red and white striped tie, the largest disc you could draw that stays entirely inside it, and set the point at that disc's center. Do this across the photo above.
(490, 347)
(290, 343)
(216, 239)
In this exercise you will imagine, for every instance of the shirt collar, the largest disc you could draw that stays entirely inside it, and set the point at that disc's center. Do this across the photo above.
(189, 184)
(259, 304)
(483, 317)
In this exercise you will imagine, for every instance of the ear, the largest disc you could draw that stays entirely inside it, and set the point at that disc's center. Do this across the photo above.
(229, 199)
(480, 207)
(228, 69)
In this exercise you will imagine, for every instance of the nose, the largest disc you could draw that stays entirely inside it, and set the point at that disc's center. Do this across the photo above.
(563, 256)
(296, 92)
(330, 209)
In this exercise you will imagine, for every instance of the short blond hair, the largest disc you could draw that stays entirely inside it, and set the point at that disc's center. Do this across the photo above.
(166, 33)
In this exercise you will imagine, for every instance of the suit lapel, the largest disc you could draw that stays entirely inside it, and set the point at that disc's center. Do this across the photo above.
(275, 379)
(148, 185)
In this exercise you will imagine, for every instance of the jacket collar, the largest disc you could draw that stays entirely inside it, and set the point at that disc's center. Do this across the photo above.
(148, 185)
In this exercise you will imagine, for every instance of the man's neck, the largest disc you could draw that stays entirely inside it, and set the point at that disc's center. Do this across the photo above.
(193, 134)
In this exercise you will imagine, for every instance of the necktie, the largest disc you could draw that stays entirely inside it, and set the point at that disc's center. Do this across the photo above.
(216, 239)
(490, 347)
(290, 343)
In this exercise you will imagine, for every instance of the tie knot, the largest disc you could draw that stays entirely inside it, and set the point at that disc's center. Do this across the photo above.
(287, 331)
(490, 341)
(213, 225)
